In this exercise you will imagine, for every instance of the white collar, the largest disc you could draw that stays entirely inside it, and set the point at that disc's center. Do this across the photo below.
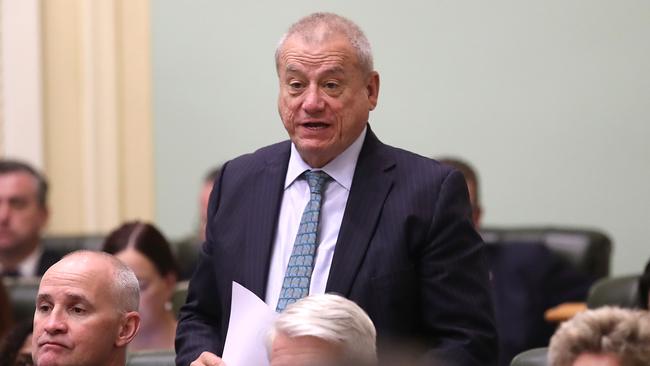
(341, 168)
(28, 267)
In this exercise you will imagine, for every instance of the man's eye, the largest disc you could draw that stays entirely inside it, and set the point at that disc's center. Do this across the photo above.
(331, 85)
(43, 308)
(18, 203)
(295, 85)
(78, 310)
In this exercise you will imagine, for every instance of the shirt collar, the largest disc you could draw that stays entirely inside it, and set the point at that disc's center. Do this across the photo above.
(27, 267)
(341, 169)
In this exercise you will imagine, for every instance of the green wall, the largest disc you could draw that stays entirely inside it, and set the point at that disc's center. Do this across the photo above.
(550, 100)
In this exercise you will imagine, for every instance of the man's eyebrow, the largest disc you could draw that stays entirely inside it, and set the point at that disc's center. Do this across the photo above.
(291, 68)
(334, 70)
(43, 297)
(76, 298)
(331, 70)
(69, 298)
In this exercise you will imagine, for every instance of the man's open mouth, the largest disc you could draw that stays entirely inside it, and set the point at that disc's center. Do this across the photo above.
(315, 125)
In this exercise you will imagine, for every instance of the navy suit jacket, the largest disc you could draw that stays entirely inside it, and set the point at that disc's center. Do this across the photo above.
(407, 253)
(529, 279)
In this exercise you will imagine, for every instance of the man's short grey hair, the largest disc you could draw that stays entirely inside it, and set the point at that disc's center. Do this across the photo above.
(608, 330)
(124, 282)
(331, 318)
(318, 27)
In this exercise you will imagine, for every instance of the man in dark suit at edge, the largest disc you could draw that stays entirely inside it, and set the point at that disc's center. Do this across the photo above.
(23, 216)
(386, 228)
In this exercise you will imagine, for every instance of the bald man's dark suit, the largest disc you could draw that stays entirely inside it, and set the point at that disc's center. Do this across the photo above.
(406, 253)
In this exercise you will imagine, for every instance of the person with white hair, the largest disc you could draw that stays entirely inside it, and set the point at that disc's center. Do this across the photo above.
(607, 336)
(322, 329)
(86, 312)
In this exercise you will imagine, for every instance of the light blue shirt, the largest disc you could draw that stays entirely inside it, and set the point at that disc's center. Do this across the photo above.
(294, 200)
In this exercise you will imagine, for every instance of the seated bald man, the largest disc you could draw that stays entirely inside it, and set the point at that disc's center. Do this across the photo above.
(86, 312)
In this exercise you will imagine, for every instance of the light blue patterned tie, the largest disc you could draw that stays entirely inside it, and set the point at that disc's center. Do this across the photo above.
(301, 263)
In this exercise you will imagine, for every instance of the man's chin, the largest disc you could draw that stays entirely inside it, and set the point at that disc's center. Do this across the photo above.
(316, 155)
(49, 359)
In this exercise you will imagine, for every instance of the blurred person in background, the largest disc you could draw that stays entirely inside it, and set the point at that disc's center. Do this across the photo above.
(527, 279)
(644, 288)
(187, 250)
(606, 336)
(23, 216)
(16, 347)
(144, 249)
(204, 197)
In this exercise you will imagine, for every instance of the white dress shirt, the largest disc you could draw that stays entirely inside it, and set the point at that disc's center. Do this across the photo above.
(295, 198)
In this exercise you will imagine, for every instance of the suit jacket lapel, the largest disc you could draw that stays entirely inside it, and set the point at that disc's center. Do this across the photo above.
(371, 184)
(262, 221)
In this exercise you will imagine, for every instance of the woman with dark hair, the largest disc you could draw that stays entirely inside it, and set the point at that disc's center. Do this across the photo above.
(145, 250)
(15, 349)
(644, 288)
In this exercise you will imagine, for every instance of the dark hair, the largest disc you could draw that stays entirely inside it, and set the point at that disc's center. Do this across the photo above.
(466, 169)
(644, 287)
(212, 174)
(146, 239)
(13, 342)
(15, 166)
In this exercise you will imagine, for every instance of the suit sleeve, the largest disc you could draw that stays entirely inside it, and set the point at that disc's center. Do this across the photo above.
(199, 327)
(455, 287)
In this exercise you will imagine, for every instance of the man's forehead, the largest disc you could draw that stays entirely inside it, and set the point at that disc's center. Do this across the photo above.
(78, 270)
(325, 68)
(328, 58)
(22, 182)
(317, 44)
(68, 283)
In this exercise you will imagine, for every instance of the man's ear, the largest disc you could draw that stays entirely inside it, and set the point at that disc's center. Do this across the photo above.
(128, 329)
(44, 217)
(372, 89)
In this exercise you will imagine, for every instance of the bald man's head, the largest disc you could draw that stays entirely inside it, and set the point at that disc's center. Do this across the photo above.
(86, 311)
(122, 280)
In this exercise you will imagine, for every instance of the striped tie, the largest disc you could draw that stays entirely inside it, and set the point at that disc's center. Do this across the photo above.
(301, 263)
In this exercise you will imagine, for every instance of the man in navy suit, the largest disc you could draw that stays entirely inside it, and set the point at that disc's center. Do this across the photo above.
(23, 215)
(394, 232)
(527, 279)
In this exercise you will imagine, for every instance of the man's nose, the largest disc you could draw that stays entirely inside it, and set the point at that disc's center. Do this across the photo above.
(313, 102)
(55, 323)
(5, 212)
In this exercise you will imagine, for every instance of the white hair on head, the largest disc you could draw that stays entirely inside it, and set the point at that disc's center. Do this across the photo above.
(126, 286)
(310, 29)
(124, 283)
(331, 318)
(606, 330)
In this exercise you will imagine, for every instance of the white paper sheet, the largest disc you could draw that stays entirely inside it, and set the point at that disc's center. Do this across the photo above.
(250, 320)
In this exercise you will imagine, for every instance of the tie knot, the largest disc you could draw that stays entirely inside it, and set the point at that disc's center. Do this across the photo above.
(316, 180)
